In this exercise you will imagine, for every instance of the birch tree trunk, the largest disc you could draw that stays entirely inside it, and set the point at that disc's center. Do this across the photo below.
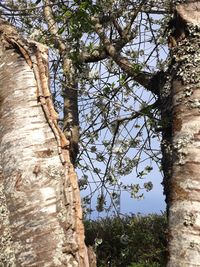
(183, 188)
(40, 212)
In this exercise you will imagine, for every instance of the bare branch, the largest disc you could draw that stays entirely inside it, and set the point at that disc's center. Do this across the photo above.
(134, 15)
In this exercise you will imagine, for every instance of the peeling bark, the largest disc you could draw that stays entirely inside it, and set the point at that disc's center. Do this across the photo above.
(183, 188)
(41, 207)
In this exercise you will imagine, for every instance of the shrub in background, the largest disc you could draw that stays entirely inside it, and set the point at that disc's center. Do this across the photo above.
(130, 241)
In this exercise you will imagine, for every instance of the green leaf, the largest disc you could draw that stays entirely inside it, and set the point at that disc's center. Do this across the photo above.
(68, 14)
(61, 30)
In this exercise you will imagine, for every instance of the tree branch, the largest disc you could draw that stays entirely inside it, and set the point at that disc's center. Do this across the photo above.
(70, 87)
(52, 26)
(127, 28)
(142, 78)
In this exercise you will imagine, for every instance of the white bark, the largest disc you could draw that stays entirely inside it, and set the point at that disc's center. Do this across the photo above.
(42, 216)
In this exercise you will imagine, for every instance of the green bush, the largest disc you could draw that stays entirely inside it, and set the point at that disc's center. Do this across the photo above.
(145, 265)
(136, 241)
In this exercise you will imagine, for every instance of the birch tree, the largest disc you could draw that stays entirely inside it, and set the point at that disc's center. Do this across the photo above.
(41, 216)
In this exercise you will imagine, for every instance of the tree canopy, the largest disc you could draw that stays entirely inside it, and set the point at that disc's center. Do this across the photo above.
(107, 63)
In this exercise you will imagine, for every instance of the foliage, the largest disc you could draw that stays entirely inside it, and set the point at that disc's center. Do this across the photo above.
(134, 241)
(145, 265)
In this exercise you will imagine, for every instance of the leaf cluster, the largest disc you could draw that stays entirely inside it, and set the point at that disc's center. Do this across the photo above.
(130, 241)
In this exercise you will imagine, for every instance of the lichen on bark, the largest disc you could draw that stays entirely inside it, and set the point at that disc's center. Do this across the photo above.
(40, 184)
(183, 186)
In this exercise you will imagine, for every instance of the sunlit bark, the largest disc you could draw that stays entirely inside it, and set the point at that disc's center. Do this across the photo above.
(40, 213)
(184, 185)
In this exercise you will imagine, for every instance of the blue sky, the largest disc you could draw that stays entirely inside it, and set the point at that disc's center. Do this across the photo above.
(153, 201)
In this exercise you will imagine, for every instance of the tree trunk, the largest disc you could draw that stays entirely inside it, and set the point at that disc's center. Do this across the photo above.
(183, 188)
(40, 212)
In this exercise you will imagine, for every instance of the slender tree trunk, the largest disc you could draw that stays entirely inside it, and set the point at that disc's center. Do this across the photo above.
(183, 188)
(40, 212)
(71, 115)
(69, 86)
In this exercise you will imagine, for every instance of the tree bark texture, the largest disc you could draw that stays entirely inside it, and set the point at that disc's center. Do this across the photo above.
(40, 212)
(183, 188)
